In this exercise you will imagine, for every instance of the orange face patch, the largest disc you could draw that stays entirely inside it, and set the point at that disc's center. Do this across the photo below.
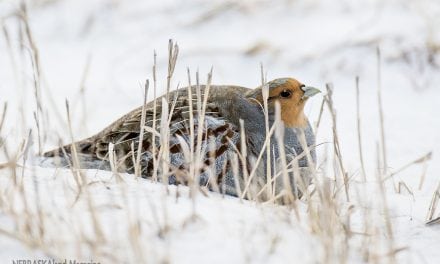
(287, 92)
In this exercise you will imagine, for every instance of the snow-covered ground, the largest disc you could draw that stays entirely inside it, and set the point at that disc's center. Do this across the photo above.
(97, 55)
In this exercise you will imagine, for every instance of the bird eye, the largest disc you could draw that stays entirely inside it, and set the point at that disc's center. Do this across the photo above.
(286, 93)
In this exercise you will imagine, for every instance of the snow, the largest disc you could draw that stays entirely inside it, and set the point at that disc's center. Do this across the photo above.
(315, 41)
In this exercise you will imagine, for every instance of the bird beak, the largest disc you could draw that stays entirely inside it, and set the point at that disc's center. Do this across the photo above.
(309, 91)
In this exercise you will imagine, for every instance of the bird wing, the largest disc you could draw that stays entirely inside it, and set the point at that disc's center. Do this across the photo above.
(217, 137)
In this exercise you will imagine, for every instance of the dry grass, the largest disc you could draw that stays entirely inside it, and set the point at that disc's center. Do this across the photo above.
(324, 210)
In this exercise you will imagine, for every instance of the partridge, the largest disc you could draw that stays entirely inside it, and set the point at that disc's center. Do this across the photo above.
(219, 138)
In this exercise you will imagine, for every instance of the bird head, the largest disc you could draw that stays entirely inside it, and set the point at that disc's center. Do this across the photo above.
(291, 95)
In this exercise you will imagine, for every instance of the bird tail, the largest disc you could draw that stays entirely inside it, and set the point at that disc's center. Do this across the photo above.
(85, 152)
(84, 147)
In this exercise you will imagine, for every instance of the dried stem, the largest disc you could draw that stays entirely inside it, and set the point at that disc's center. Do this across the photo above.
(384, 164)
(173, 52)
(337, 150)
(155, 162)
(433, 206)
(82, 185)
(384, 203)
(422, 159)
(265, 91)
(359, 127)
(321, 111)
(137, 168)
(35, 61)
(3, 115)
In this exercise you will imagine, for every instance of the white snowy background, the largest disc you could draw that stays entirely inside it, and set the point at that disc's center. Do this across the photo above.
(97, 55)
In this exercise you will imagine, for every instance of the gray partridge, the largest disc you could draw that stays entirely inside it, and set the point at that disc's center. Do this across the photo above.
(220, 137)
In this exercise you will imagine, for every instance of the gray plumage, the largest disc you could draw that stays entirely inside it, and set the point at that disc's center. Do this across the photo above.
(226, 106)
